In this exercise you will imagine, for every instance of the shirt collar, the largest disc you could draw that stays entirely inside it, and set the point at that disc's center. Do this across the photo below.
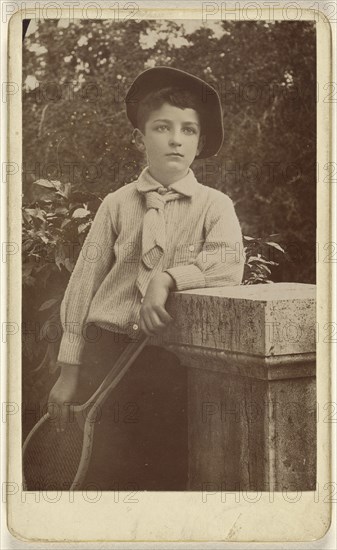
(186, 186)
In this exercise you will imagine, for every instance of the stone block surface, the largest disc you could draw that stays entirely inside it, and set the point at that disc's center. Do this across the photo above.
(262, 320)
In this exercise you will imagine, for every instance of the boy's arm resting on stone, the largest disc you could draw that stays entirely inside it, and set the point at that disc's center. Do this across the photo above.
(153, 315)
(221, 260)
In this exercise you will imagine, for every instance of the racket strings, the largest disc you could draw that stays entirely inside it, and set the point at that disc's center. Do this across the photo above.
(59, 461)
(52, 459)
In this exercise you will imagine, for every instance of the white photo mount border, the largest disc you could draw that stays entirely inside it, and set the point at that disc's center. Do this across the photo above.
(182, 517)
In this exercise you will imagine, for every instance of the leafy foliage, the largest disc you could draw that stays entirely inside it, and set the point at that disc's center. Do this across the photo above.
(260, 259)
(54, 230)
(54, 227)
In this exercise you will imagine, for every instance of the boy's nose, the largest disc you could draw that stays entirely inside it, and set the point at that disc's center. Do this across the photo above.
(175, 139)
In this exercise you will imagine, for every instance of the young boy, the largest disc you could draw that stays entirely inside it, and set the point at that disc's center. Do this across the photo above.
(163, 232)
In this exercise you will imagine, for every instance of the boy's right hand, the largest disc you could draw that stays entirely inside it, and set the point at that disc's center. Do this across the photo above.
(153, 315)
(62, 396)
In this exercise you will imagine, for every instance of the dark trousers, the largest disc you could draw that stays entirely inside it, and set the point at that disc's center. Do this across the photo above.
(140, 437)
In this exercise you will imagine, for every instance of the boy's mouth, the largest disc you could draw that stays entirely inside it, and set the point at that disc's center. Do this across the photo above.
(174, 155)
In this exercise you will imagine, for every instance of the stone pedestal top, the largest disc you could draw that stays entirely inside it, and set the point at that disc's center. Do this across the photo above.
(262, 292)
(265, 320)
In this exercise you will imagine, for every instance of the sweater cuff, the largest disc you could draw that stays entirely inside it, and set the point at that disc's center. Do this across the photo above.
(187, 276)
(71, 349)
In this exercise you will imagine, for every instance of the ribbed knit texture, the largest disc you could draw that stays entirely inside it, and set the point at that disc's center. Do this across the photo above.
(203, 248)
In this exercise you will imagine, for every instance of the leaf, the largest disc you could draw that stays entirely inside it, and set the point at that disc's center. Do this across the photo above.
(45, 183)
(27, 244)
(254, 259)
(41, 215)
(59, 260)
(69, 265)
(57, 184)
(81, 213)
(48, 304)
(82, 227)
(65, 190)
(44, 239)
(277, 246)
(61, 210)
(257, 259)
(27, 216)
(36, 213)
(265, 268)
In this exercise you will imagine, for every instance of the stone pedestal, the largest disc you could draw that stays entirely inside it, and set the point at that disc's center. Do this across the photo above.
(250, 353)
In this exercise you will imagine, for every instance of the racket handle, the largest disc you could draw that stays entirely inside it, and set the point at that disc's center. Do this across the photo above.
(132, 350)
(118, 371)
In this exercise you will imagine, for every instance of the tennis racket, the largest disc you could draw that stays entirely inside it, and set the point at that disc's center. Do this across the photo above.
(59, 460)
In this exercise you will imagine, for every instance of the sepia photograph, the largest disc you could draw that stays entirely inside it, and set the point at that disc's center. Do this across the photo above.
(168, 255)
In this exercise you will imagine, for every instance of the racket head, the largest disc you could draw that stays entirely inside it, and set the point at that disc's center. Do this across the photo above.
(50, 459)
(59, 460)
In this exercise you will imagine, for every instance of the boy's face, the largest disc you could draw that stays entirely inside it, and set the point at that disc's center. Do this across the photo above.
(172, 140)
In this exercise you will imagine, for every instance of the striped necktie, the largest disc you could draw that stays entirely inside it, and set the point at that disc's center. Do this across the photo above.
(153, 244)
(154, 230)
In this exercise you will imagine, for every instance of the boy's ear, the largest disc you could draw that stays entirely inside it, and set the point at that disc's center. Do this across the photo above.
(137, 138)
(201, 144)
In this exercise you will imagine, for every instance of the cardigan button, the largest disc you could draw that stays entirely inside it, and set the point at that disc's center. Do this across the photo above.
(191, 248)
(141, 300)
(135, 326)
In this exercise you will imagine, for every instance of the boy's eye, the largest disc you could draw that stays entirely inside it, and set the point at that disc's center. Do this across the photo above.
(162, 127)
(190, 130)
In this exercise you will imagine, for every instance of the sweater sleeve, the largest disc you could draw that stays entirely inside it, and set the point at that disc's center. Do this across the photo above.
(93, 264)
(221, 260)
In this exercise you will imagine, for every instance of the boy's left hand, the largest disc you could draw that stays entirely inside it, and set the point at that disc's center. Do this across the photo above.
(153, 315)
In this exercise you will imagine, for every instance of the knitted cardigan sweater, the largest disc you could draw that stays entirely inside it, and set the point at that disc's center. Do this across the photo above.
(203, 249)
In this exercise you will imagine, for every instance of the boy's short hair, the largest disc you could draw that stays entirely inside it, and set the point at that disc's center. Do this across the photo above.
(178, 97)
